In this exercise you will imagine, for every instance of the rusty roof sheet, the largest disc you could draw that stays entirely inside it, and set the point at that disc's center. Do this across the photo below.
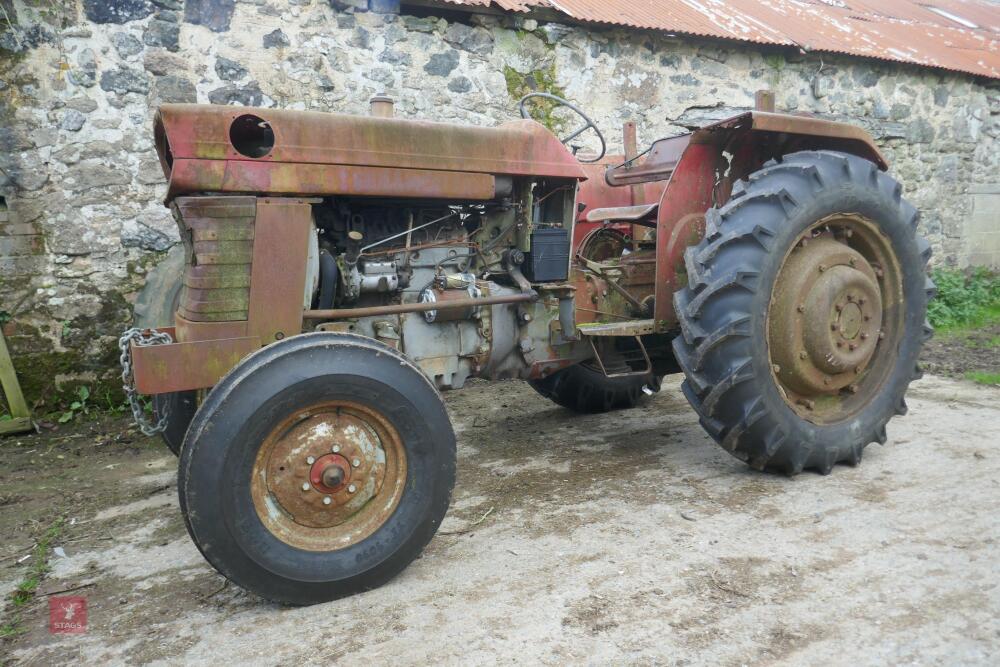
(960, 35)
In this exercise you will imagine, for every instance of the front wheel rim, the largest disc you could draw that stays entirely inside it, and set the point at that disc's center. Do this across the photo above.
(328, 476)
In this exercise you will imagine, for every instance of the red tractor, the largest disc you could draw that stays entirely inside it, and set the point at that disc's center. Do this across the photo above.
(341, 271)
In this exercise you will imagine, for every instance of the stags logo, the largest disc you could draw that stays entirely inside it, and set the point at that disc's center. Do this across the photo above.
(67, 615)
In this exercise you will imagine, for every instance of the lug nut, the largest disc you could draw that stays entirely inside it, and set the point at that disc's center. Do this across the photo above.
(822, 268)
(826, 380)
(850, 297)
(327, 500)
(356, 462)
(305, 487)
(833, 326)
(864, 336)
(336, 448)
(852, 347)
(802, 354)
(861, 301)
(840, 343)
(800, 308)
(852, 261)
(310, 460)
(776, 368)
(853, 388)
(866, 318)
(352, 488)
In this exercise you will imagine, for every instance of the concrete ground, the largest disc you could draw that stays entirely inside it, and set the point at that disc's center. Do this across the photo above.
(626, 538)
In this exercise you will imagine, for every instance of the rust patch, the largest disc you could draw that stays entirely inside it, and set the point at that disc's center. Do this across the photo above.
(329, 476)
(193, 365)
(190, 176)
(833, 322)
(278, 272)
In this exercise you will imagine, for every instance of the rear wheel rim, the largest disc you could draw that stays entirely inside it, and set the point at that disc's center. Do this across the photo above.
(328, 476)
(835, 318)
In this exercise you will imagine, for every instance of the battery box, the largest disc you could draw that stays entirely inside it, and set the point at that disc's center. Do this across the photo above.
(548, 260)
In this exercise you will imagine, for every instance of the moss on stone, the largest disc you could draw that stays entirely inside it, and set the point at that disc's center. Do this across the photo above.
(776, 65)
(89, 352)
(537, 81)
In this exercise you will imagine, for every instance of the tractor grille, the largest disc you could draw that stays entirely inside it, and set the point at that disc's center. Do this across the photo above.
(218, 236)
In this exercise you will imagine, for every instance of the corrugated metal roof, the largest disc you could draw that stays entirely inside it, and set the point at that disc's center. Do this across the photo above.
(960, 35)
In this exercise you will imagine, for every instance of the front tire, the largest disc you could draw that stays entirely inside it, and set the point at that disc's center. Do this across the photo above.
(318, 467)
(804, 313)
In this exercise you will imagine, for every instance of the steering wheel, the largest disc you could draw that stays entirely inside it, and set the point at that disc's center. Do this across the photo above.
(573, 135)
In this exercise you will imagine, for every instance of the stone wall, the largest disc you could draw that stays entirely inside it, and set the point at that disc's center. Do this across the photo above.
(81, 220)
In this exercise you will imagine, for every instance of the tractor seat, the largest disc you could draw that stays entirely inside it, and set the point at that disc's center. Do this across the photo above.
(621, 213)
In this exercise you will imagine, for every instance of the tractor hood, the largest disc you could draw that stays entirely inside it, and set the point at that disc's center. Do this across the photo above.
(209, 148)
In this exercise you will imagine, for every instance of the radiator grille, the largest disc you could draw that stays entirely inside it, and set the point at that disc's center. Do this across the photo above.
(218, 236)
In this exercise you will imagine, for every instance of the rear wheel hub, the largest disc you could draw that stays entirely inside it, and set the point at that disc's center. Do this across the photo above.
(826, 316)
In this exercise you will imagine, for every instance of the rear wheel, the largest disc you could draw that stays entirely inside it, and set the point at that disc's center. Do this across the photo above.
(179, 406)
(583, 388)
(319, 467)
(804, 313)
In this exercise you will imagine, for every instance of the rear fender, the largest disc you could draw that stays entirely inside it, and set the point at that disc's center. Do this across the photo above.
(702, 168)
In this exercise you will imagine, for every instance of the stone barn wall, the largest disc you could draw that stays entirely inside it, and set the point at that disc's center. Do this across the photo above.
(82, 220)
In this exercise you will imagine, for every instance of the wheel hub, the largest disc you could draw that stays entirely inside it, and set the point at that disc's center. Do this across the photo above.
(826, 319)
(840, 320)
(329, 473)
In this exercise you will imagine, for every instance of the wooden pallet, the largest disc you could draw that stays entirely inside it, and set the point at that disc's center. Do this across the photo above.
(21, 421)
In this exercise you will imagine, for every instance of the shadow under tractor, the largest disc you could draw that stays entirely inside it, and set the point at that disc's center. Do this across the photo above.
(339, 272)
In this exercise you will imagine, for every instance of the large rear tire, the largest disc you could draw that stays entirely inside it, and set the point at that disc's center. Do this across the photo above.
(320, 466)
(804, 312)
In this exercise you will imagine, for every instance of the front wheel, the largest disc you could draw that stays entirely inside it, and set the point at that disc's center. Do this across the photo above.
(318, 467)
(804, 313)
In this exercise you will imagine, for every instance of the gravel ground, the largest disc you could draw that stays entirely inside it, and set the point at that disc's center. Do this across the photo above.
(628, 538)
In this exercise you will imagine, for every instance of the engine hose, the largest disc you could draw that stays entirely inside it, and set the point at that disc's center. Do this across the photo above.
(329, 276)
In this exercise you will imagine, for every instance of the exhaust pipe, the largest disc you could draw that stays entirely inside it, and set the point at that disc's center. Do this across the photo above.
(382, 106)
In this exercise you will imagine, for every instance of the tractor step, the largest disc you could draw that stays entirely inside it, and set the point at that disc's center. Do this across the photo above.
(626, 328)
(618, 359)
(636, 214)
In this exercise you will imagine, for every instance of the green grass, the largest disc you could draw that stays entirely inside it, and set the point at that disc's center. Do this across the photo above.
(25, 591)
(973, 342)
(965, 299)
(984, 377)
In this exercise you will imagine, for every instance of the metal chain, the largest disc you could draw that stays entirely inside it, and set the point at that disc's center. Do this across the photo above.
(142, 338)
